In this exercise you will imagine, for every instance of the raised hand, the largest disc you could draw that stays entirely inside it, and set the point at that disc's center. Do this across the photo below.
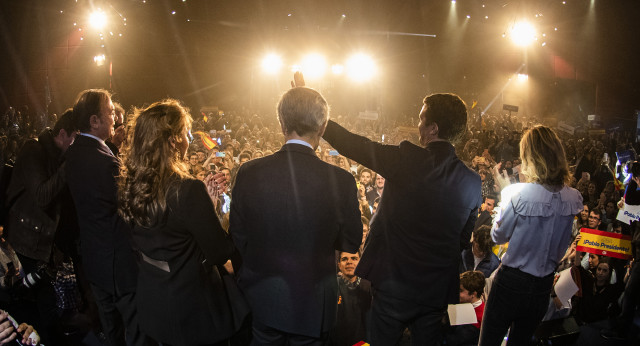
(298, 80)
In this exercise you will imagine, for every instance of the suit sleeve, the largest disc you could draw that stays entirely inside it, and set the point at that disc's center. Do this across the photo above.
(381, 158)
(37, 181)
(202, 222)
(236, 218)
(350, 235)
(469, 226)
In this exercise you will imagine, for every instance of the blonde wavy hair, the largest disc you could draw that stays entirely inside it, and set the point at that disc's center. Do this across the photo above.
(151, 162)
(543, 157)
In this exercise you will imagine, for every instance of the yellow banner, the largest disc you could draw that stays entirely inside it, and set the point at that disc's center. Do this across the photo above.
(605, 243)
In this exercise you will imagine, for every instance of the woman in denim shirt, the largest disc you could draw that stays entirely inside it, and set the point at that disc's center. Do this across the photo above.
(536, 219)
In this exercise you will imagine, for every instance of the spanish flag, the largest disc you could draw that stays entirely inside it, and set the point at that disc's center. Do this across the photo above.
(206, 140)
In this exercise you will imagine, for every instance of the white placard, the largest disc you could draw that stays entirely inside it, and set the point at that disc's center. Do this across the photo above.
(629, 213)
(461, 314)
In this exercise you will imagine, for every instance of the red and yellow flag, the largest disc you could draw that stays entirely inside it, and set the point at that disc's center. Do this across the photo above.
(206, 140)
(605, 243)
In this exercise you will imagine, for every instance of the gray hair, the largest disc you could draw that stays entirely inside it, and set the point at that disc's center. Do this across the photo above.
(302, 110)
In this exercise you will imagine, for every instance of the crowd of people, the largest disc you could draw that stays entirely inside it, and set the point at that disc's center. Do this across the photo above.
(165, 226)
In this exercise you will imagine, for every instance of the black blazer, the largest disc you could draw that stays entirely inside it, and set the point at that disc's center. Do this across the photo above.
(425, 217)
(184, 304)
(289, 213)
(105, 239)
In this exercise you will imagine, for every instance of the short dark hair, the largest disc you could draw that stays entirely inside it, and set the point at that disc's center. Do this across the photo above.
(449, 112)
(365, 169)
(246, 154)
(489, 196)
(482, 237)
(87, 104)
(473, 281)
(66, 122)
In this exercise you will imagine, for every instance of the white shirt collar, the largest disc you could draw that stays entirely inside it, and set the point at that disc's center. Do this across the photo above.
(298, 141)
(92, 136)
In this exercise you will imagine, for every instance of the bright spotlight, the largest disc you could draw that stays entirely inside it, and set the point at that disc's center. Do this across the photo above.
(271, 64)
(314, 66)
(523, 77)
(337, 69)
(523, 34)
(360, 67)
(98, 19)
(99, 59)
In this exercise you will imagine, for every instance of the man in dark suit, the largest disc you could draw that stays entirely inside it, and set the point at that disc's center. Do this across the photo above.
(107, 255)
(425, 218)
(290, 212)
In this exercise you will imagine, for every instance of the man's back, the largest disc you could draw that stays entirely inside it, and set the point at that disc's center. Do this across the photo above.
(290, 211)
(105, 244)
(426, 214)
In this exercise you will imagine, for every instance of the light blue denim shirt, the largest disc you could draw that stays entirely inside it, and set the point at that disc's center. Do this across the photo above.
(537, 224)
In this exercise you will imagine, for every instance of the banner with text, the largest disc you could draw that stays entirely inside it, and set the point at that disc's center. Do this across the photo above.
(605, 243)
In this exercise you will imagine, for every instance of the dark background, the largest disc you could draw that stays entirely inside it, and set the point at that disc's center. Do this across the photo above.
(208, 53)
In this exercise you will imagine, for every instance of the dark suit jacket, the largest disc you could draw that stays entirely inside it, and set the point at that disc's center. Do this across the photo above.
(425, 216)
(105, 239)
(186, 305)
(289, 213)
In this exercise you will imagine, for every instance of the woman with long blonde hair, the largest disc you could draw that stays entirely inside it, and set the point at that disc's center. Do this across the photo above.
(180, 296)
(536, 219)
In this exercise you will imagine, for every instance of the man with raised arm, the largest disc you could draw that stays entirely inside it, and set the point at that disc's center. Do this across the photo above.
(425, 218)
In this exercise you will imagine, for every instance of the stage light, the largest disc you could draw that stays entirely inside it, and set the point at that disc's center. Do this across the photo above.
(360, 68)
(523, 77)
(523, 34)
(271, 64)
(99, 59)
(314, 66)
(98, 19)
(337, 69)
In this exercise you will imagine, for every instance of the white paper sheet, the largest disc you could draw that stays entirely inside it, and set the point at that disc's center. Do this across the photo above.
(565, 287)
(461, 314)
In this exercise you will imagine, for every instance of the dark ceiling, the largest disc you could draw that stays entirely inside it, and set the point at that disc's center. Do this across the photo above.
(208, 52)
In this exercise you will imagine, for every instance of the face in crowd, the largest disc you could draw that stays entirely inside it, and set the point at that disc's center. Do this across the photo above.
(365, 178)
(466, 296)
(489, 204)
(379, 181)
(348, 263)
(594, 260)
(584, 214)
(594, 220)
(193, 159)
(603, 271)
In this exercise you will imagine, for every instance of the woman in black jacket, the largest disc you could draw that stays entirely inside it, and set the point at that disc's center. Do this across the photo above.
(181, 299)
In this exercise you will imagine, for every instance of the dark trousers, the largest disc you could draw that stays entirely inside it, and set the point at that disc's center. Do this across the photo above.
(630, 300)
(518, 301)
(390, 316)
(118, 316)
(263, 335)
